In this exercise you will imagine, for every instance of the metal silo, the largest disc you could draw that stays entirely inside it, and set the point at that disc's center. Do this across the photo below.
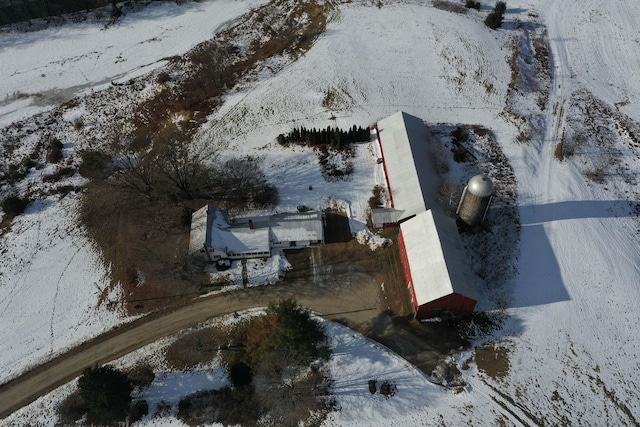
(475, 200)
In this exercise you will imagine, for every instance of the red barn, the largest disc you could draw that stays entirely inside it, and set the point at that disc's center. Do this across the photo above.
(430, 245)
(433, 260)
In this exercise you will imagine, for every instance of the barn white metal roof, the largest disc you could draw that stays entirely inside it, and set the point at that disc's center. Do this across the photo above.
(407, 162)
(436, 258)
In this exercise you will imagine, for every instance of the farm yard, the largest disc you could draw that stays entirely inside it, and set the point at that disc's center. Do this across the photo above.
(543, 105)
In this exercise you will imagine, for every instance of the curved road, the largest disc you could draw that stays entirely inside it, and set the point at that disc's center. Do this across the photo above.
(354, 302)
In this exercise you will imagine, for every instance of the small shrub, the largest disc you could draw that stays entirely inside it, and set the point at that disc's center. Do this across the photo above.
(29, 163)
(71, 409)
(449, 6)
(240, 374)
(14, 205)
(375, 201)
(494, 19)
(269, 196)
(54, 151)
(449, 194)
(460, 154)
(65, 172)
(16, 173)
(78, 123)
(95, 165)
(524, 137)
(185, 217)
(163, 78)
(558, 152)
(471, 4)
(141, 375)
(138, 410)
(459, 134)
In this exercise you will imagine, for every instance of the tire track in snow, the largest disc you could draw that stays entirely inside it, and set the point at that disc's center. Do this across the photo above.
(516, 411)
(55, 295)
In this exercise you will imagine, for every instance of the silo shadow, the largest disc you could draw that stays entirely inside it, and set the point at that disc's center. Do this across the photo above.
(540, 280)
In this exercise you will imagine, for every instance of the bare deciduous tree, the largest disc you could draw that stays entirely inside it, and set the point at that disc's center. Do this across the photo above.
(448, 195)
(137, 172)
(288, 389)
(190, 168)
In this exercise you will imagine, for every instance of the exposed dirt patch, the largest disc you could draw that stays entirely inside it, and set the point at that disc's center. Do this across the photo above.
(366, 290)
(493, 360)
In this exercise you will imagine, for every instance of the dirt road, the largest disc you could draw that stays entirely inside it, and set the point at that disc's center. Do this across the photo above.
(355, 303)
(338, 294)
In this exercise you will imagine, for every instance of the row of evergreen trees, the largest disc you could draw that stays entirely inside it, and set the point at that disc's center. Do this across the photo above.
(335, 137)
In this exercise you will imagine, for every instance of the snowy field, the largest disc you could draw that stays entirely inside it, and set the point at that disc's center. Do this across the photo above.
(569, 337)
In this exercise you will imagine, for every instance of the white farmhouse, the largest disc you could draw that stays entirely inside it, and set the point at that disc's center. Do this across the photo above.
(217, 236)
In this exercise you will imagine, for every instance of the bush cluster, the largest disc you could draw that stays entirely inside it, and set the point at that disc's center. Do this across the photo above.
(274, 375)
(375, 201)
(104, 396)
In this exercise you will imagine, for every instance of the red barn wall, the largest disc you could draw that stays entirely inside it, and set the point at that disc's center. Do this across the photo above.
(456, 304)
(407, 270)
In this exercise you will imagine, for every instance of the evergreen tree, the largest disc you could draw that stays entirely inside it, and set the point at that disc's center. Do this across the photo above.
(286, 329)
(106, 392)
(494, 19)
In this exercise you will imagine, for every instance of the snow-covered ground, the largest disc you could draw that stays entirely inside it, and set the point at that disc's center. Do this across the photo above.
(51, 283)
(43, 68)
(570, 328)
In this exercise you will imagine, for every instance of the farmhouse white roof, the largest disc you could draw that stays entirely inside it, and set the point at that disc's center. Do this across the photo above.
(198, 233)
(252, 235)
(436, 256)
(238, 240)
(296, 227)
(405, 149)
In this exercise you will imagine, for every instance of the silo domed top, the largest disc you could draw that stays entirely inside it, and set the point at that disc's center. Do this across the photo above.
(480, 186)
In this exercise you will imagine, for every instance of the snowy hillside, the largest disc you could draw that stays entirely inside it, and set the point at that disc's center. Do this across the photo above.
(566, 352)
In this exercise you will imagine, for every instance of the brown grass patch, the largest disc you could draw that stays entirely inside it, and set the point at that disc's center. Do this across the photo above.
(202, 346)
(143, 242)
(214, 66)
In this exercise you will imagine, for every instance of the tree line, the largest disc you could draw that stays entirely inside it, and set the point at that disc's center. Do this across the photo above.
(335, 137)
